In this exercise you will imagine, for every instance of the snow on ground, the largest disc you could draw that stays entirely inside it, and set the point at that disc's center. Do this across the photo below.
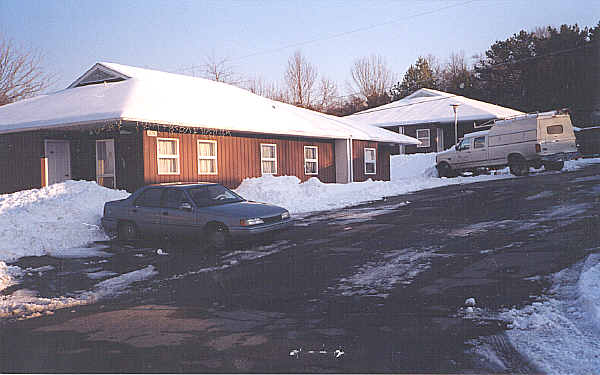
(561, 333)
(25, 304)
(52, 219)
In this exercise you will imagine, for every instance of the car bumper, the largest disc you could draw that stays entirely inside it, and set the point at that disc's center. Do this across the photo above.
(109, 224)
(239, 232)
(561, 156)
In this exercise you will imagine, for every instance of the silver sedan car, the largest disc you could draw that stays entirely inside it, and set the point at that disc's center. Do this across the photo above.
(208, 212)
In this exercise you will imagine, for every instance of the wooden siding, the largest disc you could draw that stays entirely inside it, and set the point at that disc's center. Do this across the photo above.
(382, 161)
(411, 131)
(20, 164)
(238, 157)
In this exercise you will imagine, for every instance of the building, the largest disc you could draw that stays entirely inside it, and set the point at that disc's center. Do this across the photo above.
(428, 115)
(126, 127)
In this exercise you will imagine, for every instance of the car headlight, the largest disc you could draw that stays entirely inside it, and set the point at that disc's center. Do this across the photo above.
(254, 221)
(285, 215)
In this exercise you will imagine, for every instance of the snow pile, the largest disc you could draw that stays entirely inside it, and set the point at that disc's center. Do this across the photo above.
(561, 334)
(415, 165)
(26, 304)
(9, 275)
(54, 218)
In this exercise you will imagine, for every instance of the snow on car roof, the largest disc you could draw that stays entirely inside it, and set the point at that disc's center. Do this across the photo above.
(121, 92)
(426, 106)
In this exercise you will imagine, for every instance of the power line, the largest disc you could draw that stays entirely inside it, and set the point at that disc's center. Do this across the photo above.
(404, 105)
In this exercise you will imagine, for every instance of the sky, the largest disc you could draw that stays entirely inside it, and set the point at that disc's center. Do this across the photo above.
(258, 37)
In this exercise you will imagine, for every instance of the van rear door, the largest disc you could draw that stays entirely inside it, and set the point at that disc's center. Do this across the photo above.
(556, 135)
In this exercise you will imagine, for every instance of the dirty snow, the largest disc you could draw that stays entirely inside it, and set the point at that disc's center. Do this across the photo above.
(52, 219)
(561, 333)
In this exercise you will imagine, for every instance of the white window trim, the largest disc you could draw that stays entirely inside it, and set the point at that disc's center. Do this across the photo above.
(216, 172)
(316, 160)
(263, 158)
(374, 161)
(161, 156)
(422, 138)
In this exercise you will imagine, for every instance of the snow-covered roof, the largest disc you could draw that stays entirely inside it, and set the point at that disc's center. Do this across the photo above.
(109, 91)
(426, 106)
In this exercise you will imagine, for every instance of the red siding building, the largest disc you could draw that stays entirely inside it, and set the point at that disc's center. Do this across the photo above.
(126, 127)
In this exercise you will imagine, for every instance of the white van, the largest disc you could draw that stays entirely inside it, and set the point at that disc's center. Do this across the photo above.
(532, 140)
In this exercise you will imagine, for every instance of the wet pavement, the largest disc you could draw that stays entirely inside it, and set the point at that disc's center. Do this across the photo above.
(374, 288)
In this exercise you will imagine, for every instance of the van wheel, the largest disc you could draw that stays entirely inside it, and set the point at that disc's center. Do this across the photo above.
(554, 165)
(519, 166)
(127, 231)
(444, 170)
(218, 238)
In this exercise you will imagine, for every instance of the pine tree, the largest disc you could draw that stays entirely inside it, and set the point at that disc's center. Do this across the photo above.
(418, 76)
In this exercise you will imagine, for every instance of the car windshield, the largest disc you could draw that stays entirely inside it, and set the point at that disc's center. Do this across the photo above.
(212, 195)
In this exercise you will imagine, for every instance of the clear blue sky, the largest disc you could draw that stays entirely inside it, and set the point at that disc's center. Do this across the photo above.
(174, 35)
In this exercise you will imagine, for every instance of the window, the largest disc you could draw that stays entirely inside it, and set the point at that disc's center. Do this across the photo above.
(174, 198)
(465, 144)
(167, 155)
(149, 198)
(268, 158)
(479, 142)
(423, 136)
(370, 161)
(213, 195)
(311, 160)
(554, 129)
(207, 157)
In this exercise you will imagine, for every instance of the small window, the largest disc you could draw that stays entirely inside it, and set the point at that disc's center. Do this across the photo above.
(268, 158)
(479, 142)
(423, 135)
(167, 155)
(554, 129)
(173, 198)
(465, 144)
(370, 161)
(149, 198)
(311, 160)
(207, 157)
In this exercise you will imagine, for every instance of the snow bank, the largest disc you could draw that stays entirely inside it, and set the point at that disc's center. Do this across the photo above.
(54, 218)
(415, 165)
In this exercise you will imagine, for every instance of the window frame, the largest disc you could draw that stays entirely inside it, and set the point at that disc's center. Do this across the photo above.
(198, 157)
(422, 145)
(164, 156)
(316, 160)
(374, 161)
(475, 144)
(263, 158)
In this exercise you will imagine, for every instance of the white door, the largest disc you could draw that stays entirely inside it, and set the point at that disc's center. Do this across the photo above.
(58, 154)
(105, 163)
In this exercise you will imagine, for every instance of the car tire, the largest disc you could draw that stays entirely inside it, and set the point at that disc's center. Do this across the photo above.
(444, 170)
(127, 231)
(554, 165)
(218, 238)
(519, 167)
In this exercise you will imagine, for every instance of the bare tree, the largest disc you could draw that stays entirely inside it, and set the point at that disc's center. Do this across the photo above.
(300, 78)
(259, 86)
(21, 73)
(372, 79)
(327, 93)
(219, 69)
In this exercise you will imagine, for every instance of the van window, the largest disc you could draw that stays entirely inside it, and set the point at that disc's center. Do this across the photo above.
(464, 144)
(479, 142)
(554, 129)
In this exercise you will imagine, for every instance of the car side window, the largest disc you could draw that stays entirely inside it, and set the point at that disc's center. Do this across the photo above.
(173, 198)
(149, 198)
(464, 144)
(479, 142)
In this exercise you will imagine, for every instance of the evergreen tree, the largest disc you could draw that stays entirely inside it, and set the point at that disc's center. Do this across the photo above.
(418, 76)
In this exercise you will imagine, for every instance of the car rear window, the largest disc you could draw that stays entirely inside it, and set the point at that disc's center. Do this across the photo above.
(149, 198)
(554, 129)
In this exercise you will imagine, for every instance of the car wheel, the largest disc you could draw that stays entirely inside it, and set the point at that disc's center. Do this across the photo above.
(554, 165)
(519, 167)
(218, 238)
(444, 170)
(127, 231)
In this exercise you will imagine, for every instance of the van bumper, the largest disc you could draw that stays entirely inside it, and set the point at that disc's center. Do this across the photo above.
(561, 156)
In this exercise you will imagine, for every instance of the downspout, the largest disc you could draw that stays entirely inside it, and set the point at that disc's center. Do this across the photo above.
(351, 160)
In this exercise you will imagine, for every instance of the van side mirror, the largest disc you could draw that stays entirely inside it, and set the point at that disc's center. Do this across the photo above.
(185, 206)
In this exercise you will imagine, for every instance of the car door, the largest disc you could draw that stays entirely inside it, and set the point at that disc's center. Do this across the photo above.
(477, 155)
(146, 211)
(177, 214)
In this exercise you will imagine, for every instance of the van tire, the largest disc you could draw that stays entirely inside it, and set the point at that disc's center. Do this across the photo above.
(127, 231)
(444, 170)
(518, 165)
(554, 165)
